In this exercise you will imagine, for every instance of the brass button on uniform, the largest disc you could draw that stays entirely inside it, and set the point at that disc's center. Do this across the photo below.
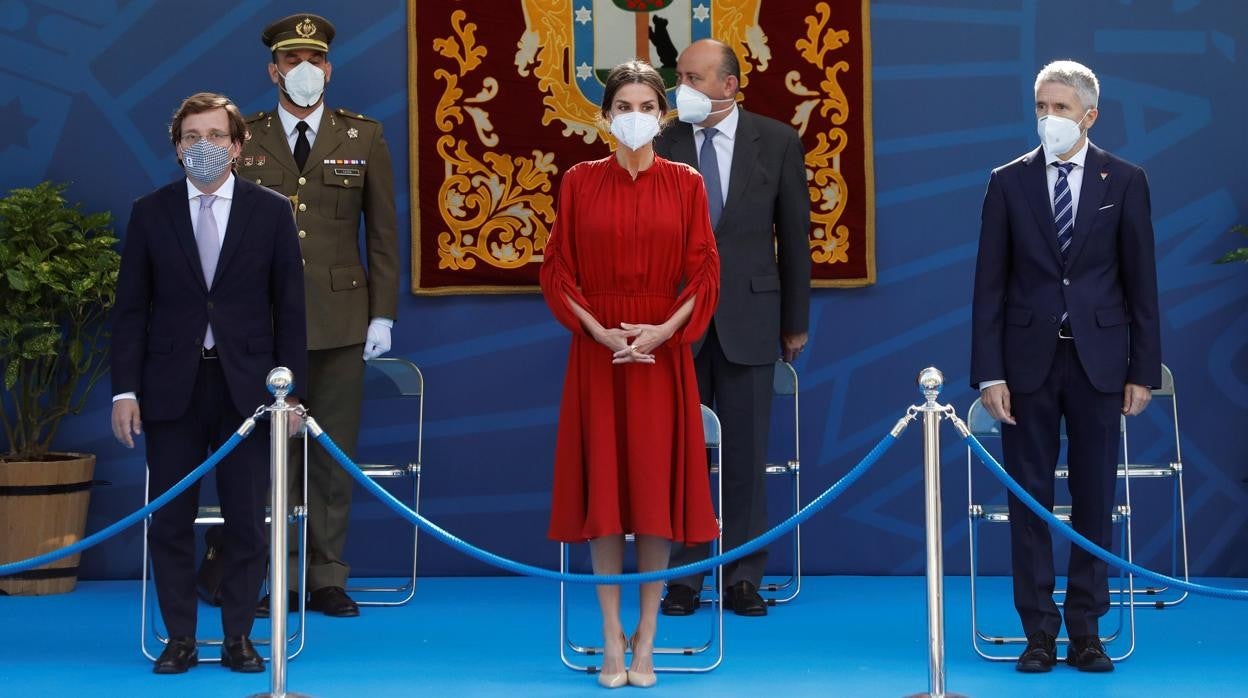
(303, 180)
(259, 181)
(305, 262)
(346, 182)
(303, 207)
(303, 234)
(355, 283)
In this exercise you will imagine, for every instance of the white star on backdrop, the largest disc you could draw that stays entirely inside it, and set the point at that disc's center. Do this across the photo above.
(583, 15)
(583, 71)
(701, 13)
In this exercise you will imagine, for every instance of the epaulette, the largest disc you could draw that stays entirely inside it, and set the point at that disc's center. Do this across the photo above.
(354, 115)
(256, 117)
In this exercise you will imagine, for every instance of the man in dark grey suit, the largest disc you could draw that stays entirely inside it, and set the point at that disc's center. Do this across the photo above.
(755, 177)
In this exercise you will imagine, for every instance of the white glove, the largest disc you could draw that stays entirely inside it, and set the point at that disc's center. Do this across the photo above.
(378, 340)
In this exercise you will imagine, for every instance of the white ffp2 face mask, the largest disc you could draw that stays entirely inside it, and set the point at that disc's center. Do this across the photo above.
(304, 84)
(693, 107)
(1058, 134)
(634, 129)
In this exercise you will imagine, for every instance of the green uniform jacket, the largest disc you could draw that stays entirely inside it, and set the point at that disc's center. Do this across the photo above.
(347, 174)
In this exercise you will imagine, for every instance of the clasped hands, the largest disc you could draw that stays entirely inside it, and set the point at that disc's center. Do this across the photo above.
(633, 343)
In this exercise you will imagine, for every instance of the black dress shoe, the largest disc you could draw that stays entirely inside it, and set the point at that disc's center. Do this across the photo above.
(333, 601)
(744, 600)
(1040, 655)
(1086, 653)
(238, 654)
(179, 655)
(292, 605)
(681, 600)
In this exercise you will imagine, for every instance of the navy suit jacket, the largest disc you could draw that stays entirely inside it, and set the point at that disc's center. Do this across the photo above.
(1108, 284)
(256, 303)
(763, 236)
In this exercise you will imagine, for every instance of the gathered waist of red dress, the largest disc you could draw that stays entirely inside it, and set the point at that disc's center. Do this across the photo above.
(667, 295)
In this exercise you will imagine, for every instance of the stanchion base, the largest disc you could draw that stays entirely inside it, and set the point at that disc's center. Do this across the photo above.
(928, 695)
(288, 694)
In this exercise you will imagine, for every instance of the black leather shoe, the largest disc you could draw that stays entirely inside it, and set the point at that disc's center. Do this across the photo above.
(1086, 653)
(1040, 655)
(179, 655)
(238, 654)
(333, 601)
(292, 605)
(744, 600)
(681, 600)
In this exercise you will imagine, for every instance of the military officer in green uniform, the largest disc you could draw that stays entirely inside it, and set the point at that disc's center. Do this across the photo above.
(334, 166)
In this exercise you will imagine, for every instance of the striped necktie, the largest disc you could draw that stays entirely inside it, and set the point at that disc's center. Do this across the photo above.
(1063, 216)
(1063, 208)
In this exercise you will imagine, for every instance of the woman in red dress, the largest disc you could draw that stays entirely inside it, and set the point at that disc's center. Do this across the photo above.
(631, 269)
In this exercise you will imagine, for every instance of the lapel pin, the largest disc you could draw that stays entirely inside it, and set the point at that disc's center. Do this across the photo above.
(247, 161)
(353, 133)
(1104, 175)
(260, 159)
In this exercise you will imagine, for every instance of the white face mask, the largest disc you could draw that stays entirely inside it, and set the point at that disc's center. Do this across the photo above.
(304, 84)
(634, 129)
(693, 107)
(1058, 134)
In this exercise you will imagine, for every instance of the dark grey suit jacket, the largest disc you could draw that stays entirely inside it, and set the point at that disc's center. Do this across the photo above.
(763, 236)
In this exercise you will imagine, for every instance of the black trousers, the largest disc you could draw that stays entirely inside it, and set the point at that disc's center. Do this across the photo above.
(741, 397)
(174, 449)
(1031, 452)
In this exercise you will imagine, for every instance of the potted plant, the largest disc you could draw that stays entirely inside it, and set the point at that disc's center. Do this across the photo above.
(58, 274)
(1236, 255)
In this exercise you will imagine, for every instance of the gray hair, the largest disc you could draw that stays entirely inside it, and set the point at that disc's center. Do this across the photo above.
(1072, 74)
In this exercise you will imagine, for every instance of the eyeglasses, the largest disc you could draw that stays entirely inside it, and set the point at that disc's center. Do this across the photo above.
(217, 138)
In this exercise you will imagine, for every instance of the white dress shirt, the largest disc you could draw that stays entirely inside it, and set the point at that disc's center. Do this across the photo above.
(724, 142)
(290, 122)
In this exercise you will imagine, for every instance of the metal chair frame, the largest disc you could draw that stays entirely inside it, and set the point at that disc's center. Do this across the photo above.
(784, 384)
(983, 426)
(569, 650)
(207, 516)
(404, 381)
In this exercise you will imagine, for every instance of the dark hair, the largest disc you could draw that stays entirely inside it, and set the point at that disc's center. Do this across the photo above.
(201, 102)
(628, 73)
(728, 64)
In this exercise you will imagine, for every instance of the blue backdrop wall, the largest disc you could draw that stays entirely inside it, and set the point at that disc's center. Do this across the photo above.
(87, 87)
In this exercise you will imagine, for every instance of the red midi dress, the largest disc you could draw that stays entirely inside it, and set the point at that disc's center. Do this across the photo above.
(630, 456)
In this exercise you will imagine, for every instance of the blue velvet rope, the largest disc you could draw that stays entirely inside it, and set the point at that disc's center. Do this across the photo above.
(1078, 539)
(635, 578)
(9, 568)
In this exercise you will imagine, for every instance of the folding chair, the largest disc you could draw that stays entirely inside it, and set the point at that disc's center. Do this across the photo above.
(208, 516)
(396, 379)
(784, 386)
(711, 595)
(984, 427)
(1164, 397)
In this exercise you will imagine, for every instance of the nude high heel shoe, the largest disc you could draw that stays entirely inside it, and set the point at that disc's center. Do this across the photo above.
(640, 679)
(618, 679)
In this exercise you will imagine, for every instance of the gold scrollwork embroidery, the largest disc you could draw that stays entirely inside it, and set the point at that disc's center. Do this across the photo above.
(826, 183)
(496, 207)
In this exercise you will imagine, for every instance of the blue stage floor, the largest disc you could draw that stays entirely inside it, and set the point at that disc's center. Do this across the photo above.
(843, 636)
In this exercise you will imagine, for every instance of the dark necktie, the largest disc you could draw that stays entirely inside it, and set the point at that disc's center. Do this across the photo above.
(1063, 220)
(302, 146)
(708, 165)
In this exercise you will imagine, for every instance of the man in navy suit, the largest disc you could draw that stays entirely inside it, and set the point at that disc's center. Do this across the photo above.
(755, 175)
(209, 299)
(1064, 326)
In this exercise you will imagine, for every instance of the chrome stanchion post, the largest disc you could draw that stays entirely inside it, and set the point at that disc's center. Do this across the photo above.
(931, 380)
(280, 381)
